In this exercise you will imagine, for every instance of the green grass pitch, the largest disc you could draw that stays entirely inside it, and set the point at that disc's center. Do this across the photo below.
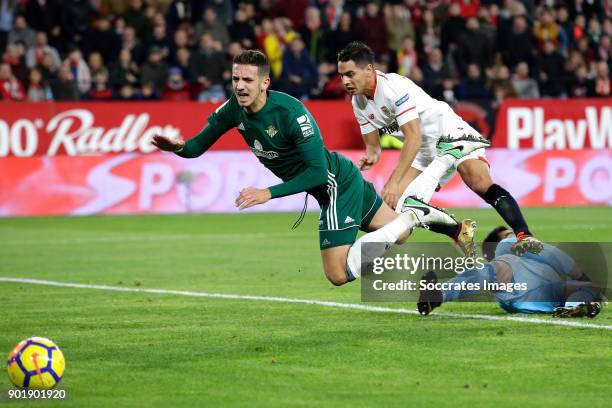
(127, 349)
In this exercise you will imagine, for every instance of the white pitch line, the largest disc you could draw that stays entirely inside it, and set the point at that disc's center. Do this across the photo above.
(324, 303)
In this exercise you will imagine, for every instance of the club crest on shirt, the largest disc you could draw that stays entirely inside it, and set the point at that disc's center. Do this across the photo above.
(271, 131)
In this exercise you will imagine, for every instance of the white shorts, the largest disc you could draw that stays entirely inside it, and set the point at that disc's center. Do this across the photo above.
(455, 128)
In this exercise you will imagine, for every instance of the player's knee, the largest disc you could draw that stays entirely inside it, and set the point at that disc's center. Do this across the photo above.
(336, 278)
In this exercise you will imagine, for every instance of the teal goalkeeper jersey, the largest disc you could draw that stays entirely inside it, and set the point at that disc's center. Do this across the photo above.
(284, 137)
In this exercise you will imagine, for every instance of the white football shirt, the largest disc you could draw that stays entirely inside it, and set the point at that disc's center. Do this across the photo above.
(397, 100)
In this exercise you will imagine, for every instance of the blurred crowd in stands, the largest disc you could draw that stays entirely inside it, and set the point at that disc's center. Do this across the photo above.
(484, 50)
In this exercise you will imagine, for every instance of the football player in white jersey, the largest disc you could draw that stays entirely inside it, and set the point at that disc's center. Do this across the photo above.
(437, 142)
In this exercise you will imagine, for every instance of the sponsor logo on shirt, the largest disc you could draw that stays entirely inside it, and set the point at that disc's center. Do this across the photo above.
(241, 126)
(389, 129)
(348, 219)
(402, 100)
(305, 125)
(258, 150)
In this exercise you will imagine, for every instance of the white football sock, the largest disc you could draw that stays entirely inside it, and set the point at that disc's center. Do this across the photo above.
(378, 242)
(424, 186)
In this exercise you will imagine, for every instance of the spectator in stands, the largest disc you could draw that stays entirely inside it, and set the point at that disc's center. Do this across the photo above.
(131, 43)
(545, 29)
(22, 33)
(474, 47)
(520, 43)
(96, 64)
(7, 14)
(180, 40)
(565, 29)
(125, 71)
(299, 74)
(148, 93)
(501, 86)
(183, 56)
(585, 50)
(549, 67)
(38, 90)
(241, 30)
(428, 33)
(579, 28)
(211, 24)
(176, 89)
(446, 91)
(65, 87)
(44, 15)
(155, 70)
(208, 67)
(271, 40)
(15, 57)
(79, 70)
(604, 49)
(136, 18)
(332, 12)
(602, 80)
(126, 93)
(103, 39)
(48, 69)
(406, 58)
(473, 86)
(11, 88)
(580, 85)
(34, 55)
(487, 26)
(525, 86)
(74, 22)
(452, 28)
(100, 91)
(160, 39)
(372, 29)
(344, 34)
(435, 70)
(593, 30)
(399, 27)
(314, 35)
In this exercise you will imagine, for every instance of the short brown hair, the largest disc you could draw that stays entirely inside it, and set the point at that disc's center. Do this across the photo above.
(254, 57)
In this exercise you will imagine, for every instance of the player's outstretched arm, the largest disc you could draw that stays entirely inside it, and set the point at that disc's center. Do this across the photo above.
(412, 143)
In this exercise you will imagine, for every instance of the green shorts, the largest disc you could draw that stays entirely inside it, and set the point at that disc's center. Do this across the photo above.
(350, 206)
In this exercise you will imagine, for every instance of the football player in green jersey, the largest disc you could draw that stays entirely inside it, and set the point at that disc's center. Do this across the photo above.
(286, 140)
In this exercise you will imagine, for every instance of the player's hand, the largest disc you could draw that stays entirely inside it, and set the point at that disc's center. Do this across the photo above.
(368, 160)
(167, 144)
(251, 196)
(391, 193)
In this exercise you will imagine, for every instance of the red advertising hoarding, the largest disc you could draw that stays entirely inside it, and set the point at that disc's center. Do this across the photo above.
(553, 124)
(78, 129)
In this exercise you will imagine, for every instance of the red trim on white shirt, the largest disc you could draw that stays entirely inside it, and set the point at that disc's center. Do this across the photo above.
(364, 123)
(373, 89)
(404, 111)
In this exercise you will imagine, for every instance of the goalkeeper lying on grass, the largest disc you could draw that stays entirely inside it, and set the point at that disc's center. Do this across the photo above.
(551, 281)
